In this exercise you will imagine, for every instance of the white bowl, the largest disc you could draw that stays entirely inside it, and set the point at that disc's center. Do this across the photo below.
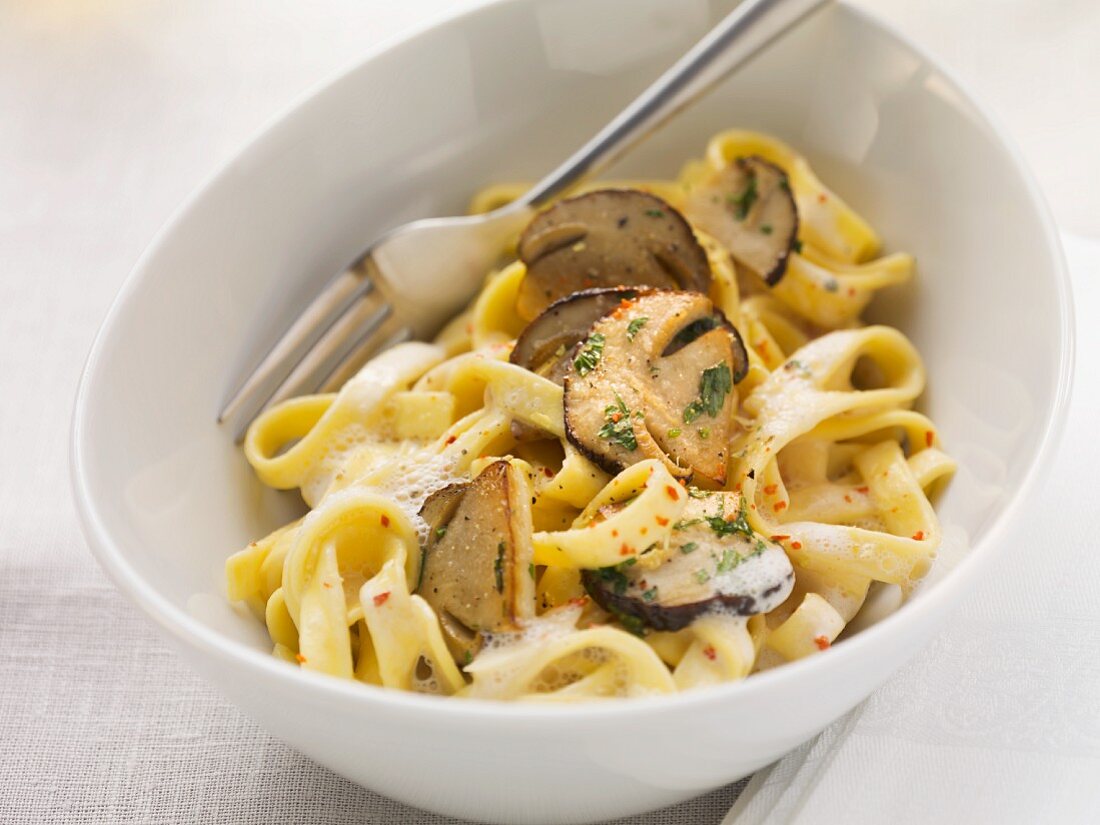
(503, 92)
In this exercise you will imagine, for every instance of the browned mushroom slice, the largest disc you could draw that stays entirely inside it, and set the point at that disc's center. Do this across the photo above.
(748, 206)
(478, 559)
(610, 237)
(546, 346)
(658, 385)
(714, 561)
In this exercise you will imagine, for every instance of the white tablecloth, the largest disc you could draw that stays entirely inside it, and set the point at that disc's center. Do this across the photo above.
(110, 112)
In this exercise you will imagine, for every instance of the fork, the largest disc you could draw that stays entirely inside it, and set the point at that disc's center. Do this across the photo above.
(392, 291)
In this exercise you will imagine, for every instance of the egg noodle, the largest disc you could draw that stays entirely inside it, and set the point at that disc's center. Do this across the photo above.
(471, 532)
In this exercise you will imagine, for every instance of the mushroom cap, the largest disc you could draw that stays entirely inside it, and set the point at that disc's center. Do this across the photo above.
(749, 207)
(662, 387)
(713, 562)
(609, 237)
(477, 561)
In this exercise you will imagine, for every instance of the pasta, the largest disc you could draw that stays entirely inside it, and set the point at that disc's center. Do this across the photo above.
(658, 451)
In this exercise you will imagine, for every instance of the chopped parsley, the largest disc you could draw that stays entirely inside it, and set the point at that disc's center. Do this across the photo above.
(590, 354)
(728, 527)
(630, 623)
(831, 285)
(675, 432)
(702, 576)
(715, 383)
(655, 213)
(468, 657)
(440, 532)
(729, 560)
(743, 203)
(797, 246)
(531, 569)
(634, 326)
(704, 433)
(689, 547)
(766, 228)
(615, 577)
(695, 492)
(498, 568)
(618, 427)
(649, 595)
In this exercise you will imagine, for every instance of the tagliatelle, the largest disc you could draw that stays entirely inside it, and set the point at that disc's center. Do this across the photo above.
(465, 539)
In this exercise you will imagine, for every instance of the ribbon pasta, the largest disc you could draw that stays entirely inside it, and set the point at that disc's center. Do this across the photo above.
(826, 458)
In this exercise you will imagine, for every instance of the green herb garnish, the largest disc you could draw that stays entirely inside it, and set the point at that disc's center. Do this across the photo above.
(440, 532)
(655, 213)
(633, 327)
(649, 595)
(702, 576)
(743, 203)
(589, 355)
(728, 527)
(684, 524)
(531, 569)
(498, 568)
(689, 547)
(714, 384)
(675, 432)
(467, 657)
(766, 228)
(797, 246)
(618, 427)
(704, 433)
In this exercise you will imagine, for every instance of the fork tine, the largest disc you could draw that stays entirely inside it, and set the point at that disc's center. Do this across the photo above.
(390, 333)
(307, 328)
(365, 313)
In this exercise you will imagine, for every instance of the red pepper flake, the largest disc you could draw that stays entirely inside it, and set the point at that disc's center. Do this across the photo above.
(851, 292)
(710, 652)
(661, 521)
(385, 520)
(796, 545)
(928, 436)
(863, 490)
(546, 471)
(616, 417)
(822, 642)
(380, 599)
(770, 489)
(301, 659)
(626, 550)
(469, 329)
(779, 505)
(752, 506)
(673, 493)
(822, 197)
(614, 534)
(643, 530)
(847, 498)
(327, 585)
(451, 439)
(737, 487)
(780, 538)
(918, 536)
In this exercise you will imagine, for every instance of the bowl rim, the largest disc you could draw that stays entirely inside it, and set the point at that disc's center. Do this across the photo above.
(179, 624)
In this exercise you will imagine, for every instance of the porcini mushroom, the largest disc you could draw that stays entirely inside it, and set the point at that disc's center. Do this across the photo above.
(749, 208)
(478, 560)
(610, 237)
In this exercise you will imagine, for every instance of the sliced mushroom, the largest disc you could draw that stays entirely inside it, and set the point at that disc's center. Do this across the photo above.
(546, 345)
(714, 561)
(610, 237)
(748, 206)
(661, 386)
(478, 559)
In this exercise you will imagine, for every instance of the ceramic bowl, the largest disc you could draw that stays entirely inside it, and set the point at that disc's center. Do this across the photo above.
(503, 92)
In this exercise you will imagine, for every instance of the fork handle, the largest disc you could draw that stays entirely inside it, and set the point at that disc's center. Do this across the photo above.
(742, 33)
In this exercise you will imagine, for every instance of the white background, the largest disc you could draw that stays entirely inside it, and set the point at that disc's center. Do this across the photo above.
(111, 112)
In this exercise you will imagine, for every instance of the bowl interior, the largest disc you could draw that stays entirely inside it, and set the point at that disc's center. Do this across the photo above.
(418, 129)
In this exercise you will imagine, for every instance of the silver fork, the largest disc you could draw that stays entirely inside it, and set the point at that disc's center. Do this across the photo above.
(393, 292)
